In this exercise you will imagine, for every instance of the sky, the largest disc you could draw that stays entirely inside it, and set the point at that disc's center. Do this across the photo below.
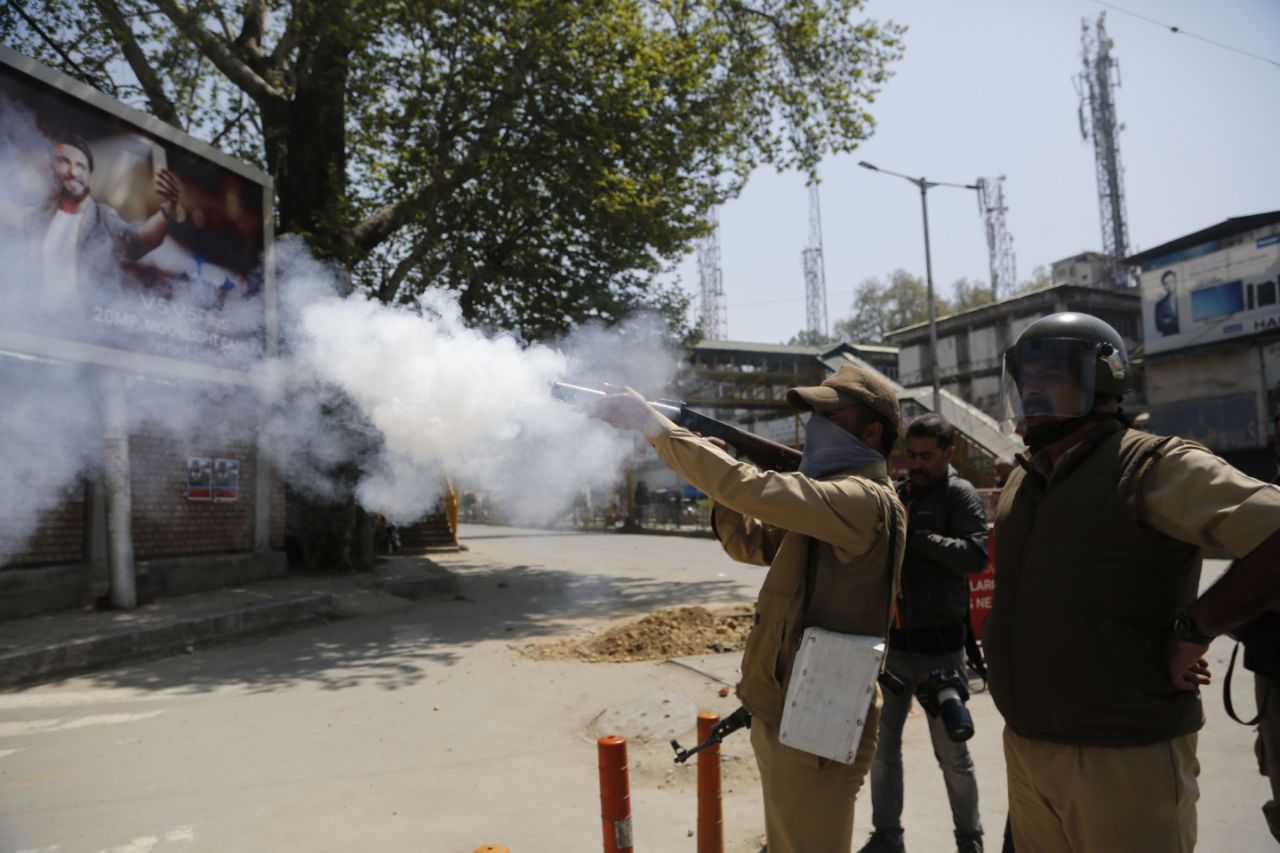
(985, 88)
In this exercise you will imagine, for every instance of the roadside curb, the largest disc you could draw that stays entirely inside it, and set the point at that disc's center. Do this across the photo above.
(41, 663)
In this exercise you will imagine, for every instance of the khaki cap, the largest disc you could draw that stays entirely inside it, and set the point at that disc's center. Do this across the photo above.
(845, 387)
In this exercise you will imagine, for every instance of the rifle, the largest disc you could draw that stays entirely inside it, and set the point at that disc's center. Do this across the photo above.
(765, 454)
(739, 719)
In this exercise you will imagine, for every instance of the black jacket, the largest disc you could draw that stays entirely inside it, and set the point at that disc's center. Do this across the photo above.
(946, 542)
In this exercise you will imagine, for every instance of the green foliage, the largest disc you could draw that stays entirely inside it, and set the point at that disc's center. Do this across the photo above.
(1039, 280)
(810, 338)
(545, 159)
(966, 294)
(880, 307)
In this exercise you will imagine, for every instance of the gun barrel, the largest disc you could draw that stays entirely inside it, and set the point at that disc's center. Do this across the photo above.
(565, 391)
(576, 393)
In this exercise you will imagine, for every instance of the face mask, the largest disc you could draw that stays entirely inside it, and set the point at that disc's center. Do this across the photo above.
(828, 449)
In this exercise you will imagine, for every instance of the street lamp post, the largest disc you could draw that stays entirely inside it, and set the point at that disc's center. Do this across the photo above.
(925, 185)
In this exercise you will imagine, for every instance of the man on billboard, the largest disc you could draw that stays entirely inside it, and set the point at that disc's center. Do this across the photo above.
(74, 240)
(1167, 307)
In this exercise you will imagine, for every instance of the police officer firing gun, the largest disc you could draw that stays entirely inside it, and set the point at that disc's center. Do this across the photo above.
(832, 535)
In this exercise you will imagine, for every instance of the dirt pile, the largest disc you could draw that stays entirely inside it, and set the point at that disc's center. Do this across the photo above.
(672, 632)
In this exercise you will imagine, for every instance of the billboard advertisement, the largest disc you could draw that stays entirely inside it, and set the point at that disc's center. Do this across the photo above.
(122, 233)
(1230, 292)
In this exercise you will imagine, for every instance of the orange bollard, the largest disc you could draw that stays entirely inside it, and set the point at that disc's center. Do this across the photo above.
(615, 794)
(710, 806)
(491, 848)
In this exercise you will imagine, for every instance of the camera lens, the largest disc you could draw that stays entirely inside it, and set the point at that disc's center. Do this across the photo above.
(955, 716)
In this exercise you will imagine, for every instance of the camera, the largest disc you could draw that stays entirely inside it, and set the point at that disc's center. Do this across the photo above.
(943, 695)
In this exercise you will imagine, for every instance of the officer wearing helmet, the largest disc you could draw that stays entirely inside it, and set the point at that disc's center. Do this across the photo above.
(1096, 639)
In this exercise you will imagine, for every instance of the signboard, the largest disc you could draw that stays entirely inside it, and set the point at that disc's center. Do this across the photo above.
(199, 478)
(119, 232)
(982, 587)
(1200, 298)
(226, 480)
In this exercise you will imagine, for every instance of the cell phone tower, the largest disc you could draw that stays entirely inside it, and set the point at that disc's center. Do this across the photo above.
(712, 313)
(1097, 85)
(1004, 264)
(815, 272)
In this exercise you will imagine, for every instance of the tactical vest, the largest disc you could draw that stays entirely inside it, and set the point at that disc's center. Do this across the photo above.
(1085, 594)
(809, 585)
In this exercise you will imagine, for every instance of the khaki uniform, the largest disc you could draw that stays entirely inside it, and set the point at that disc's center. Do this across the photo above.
(1100, 749)
(827, 543)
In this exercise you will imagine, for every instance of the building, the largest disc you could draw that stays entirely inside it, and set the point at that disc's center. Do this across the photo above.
(971, 344)
(746, 383)
(1087, 269)
(1211, 317)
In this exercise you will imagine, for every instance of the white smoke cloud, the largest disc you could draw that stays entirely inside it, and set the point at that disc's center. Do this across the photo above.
(448, 401)
(411, 396)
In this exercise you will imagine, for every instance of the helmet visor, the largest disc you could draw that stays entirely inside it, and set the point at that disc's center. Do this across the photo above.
(1051, 377)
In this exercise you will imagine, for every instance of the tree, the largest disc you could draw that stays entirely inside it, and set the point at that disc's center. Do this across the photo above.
(810, 338)
(968, 294)
(1039, 280)
(880, 307)
(545, 159)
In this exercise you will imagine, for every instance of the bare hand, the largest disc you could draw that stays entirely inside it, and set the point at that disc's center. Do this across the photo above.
(169, 189)
(1186, 664)
(625, 409)
(718, 442)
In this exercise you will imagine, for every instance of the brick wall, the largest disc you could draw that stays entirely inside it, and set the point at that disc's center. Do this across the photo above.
(61, 535)
(165, 522)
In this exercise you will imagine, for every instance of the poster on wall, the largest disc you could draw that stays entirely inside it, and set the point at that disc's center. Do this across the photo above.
(226, 480)
(1212, 296)
(117, 231)
(199, 478)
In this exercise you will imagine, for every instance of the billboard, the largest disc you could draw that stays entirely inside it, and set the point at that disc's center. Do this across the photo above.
(1225, 293)
(121, 235)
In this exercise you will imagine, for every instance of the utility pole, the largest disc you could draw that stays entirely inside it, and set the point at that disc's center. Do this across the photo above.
(924, 185)
(815, 271)
(1096, 85)
(1004, 265)
(712, 312)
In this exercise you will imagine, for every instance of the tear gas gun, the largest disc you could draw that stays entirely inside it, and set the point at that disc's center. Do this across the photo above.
(765, 454)
(739, 719)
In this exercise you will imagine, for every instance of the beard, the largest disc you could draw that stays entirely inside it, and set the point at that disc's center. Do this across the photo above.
(75, 189)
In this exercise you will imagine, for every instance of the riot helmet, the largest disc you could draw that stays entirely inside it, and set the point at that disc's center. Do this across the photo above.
(1059, 367)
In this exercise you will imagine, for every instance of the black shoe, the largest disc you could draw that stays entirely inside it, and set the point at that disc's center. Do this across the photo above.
(884, 842)
(969, 844)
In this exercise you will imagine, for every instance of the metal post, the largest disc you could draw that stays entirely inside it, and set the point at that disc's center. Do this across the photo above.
(710, 806)
(117, 491)
(933, 311)
(615, 794)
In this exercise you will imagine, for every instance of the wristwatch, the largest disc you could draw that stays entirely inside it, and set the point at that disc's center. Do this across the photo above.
(1184, 628)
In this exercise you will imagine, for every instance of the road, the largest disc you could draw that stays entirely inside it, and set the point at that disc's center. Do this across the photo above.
(418, 726)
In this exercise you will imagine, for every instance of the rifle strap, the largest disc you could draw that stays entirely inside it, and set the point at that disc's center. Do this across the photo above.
(1226, 693)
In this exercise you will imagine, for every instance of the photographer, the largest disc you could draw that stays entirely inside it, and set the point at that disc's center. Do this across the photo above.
(946, 542)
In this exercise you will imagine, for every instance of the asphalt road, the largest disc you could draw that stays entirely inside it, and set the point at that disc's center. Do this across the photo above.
(417, 726)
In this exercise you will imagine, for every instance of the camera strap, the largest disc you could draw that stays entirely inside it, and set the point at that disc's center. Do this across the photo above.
(1226, 694)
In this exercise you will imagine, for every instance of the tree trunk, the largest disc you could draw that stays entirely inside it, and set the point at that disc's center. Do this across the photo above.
(307, 152)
